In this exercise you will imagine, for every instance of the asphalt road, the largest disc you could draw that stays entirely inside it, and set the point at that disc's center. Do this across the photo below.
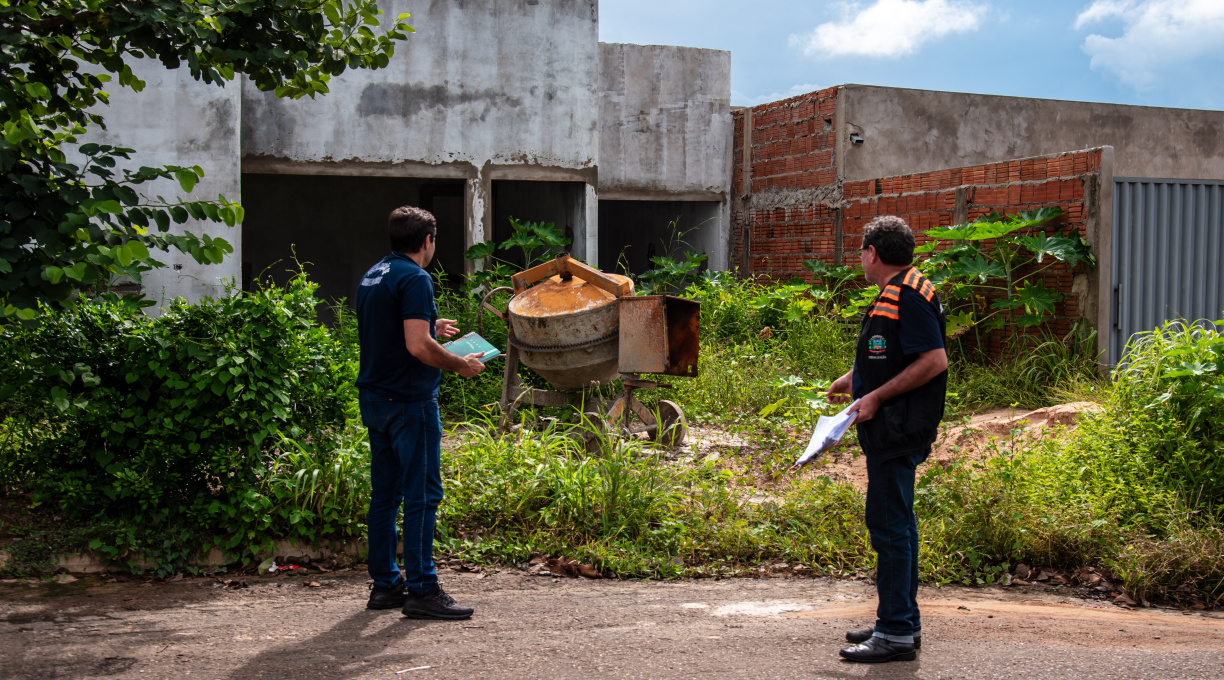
(538, 627)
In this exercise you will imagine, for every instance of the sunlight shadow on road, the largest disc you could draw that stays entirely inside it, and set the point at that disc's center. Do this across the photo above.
(899, 670)
(351, 648)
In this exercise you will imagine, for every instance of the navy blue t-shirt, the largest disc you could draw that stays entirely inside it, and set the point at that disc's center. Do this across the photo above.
(919, 328)
(393, 290)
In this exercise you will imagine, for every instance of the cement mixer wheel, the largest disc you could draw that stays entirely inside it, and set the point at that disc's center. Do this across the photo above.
(672, 428)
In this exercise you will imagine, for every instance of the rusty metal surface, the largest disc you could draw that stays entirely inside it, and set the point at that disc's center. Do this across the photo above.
(557, 297)
(567, 331)
(613, 335)
(643, 334)
(576, 368)
(659, 334)
(683, 336)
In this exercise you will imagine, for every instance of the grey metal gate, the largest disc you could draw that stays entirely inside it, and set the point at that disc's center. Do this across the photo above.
(1168, 254)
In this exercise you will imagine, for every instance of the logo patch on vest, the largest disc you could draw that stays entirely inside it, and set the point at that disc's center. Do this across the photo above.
(876, 344)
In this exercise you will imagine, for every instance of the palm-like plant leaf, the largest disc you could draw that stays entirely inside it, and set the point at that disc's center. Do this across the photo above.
(480, 250)
(1069, 249)
(978, 267)
(1036, 298)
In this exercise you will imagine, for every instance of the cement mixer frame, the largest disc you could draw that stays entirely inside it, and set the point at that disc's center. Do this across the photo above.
(656, 334)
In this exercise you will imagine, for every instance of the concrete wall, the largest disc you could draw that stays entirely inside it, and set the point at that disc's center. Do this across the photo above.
(179, 121)
(503, 82)
(665, 136)
(910, 131)
(664, 121)
(503, 89)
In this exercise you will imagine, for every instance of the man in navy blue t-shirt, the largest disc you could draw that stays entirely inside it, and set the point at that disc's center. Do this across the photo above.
(401, 366)
(899, 376)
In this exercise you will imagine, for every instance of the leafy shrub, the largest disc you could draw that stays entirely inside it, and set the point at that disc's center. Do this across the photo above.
(1033, 372)
(1169, 392)
(989, 271)
(174, 421)
(529, 238)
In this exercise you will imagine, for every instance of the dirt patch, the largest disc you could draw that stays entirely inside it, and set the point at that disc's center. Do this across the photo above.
(973, 438)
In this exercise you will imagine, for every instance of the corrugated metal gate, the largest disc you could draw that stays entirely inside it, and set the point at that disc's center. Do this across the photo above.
(1168, 254)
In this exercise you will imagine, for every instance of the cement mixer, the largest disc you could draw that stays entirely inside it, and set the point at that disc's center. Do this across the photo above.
(580, 328)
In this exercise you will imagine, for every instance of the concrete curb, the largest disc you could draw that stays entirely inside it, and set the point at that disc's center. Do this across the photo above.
(92, 563)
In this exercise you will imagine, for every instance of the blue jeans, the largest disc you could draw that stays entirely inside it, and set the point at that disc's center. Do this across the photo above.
(894, 537)
(405, 468)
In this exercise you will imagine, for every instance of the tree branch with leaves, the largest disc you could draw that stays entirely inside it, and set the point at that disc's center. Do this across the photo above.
(72, 227)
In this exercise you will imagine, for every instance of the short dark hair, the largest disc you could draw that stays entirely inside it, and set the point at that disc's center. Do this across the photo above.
(409, 226)
(892, 238)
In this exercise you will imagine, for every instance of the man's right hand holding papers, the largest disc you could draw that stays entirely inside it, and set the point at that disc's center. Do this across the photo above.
(828, 430)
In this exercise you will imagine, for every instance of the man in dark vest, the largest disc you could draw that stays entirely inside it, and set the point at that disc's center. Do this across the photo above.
(899, 376)
(401, 366)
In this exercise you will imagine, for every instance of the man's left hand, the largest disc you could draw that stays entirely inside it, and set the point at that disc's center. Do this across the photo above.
(445, 328)
(867, 408)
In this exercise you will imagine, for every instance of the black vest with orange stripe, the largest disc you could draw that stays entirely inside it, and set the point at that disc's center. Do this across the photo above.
(909, 422)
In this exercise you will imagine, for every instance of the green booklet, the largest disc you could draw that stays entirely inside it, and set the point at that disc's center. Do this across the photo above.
(470, 344)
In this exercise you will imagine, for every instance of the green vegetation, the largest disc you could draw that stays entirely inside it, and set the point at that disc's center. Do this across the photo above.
(71, 217)
(223, 423)
(989, 271)
(110, 414)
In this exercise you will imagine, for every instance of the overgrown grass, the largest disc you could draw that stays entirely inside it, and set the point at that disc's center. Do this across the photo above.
(1083, 499)
(1136, 490)
(628, 510)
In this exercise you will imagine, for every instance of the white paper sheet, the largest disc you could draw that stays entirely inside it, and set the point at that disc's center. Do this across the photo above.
(828, 430)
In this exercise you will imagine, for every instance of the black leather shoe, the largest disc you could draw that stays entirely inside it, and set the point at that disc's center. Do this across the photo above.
(879, 650)
(865, 634)
(435, 605)
(386, 598)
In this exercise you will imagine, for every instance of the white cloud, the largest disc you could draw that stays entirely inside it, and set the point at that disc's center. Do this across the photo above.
(890, 28)
(1158, 35)
(740, 99)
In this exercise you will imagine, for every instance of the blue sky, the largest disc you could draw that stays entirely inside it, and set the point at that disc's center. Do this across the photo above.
(1150, 52)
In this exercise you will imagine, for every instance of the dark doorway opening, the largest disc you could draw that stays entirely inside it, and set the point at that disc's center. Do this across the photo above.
(337, 227)
(631, 232)
(562, 203)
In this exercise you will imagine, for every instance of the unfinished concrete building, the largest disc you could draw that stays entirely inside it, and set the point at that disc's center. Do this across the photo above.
(490, 110)
(514, 108)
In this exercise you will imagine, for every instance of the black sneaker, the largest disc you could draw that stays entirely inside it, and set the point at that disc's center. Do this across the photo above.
(386, 598)
(434, 605)
(862, 634)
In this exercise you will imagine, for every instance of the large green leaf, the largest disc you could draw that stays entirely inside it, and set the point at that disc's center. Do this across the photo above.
(480, 250)
(995, 228)
(1036, 298)
(978, 268)
(1069, 249)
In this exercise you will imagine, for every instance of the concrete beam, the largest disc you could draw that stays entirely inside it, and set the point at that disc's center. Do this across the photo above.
(912, 131)
(664, 119)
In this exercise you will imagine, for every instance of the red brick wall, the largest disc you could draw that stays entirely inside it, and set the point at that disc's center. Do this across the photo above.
(793, 142)
(928, 200)
(790, 207)
(787, 184)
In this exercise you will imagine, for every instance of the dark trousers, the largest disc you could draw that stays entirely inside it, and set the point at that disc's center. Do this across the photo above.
(405, 469)
(894, 537)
